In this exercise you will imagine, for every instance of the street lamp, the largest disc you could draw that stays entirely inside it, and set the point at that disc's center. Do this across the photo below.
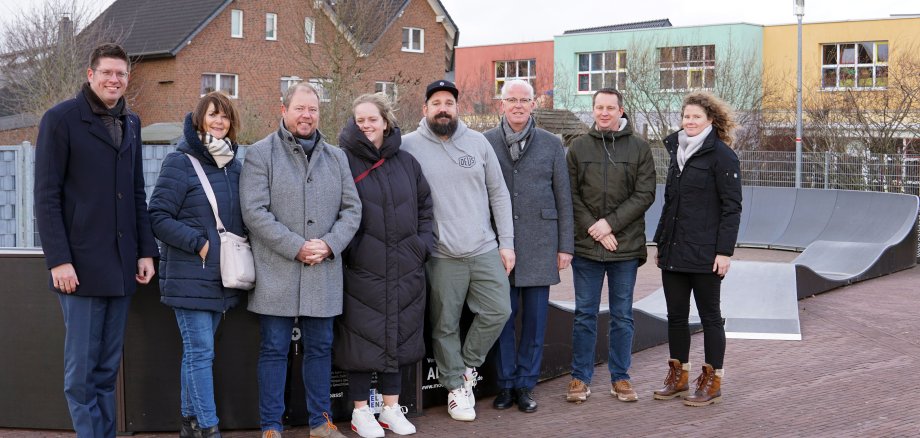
(799, 12)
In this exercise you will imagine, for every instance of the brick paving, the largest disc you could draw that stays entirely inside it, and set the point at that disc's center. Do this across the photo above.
(851, 375)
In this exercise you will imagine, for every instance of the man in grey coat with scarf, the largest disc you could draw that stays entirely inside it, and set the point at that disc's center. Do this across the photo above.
(302, 209)
(533, 163)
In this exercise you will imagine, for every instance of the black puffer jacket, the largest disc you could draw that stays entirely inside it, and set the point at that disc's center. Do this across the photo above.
(702, 207)
(382, 321)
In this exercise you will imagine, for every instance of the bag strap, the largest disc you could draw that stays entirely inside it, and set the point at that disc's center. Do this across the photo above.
(368, 171)
(206, 185)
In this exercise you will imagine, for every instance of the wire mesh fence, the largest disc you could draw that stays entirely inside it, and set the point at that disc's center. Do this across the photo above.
(823, 170)
(868, 172)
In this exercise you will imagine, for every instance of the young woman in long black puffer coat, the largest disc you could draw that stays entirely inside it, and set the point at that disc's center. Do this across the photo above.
(381, 327)
(696, 239)
(182, 218)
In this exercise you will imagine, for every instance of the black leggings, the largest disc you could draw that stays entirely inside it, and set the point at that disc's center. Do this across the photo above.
(706, 290)
(359, 384)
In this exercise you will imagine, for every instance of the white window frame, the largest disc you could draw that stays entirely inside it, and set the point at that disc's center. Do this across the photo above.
(217, 81)
(411, 40)
(689, 67)
(320, 85)
(271, 25)
(236, 17)
(510, 70)
(286, 82)
(874, 65)
(309, 30)
(388, 88)
(591, 71)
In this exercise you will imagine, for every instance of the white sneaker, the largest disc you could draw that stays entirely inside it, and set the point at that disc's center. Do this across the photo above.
(394, 418)
(458, 405)
(364, 423)
(470, 378)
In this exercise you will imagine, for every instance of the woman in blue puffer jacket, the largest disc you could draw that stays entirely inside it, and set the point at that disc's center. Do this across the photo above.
(184, 223)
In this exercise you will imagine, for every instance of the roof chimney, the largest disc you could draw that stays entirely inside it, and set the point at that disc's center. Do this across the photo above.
(65, 29)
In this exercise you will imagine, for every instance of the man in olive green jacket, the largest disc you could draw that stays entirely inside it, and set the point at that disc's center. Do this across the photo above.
(613, 183)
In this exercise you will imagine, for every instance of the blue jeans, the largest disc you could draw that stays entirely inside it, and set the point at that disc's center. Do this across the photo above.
(589, 279)
(95, 334)
(197, 328)
(520, 367)
(316, 337)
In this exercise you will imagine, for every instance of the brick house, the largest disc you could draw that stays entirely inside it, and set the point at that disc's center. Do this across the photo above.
(254, 49)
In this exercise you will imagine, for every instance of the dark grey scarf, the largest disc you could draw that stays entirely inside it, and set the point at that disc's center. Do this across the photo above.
(516, 140)
(112, 118)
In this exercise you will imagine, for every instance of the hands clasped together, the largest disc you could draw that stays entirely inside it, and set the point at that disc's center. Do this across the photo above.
(602, 233)
(313, 252)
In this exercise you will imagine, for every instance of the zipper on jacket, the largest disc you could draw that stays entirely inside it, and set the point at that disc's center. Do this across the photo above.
(229, 193)
(604, 200)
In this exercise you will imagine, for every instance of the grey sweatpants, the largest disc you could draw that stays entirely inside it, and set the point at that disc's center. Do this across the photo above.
(481, 282)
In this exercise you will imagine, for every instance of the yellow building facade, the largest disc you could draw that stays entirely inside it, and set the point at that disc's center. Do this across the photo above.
(870, 63)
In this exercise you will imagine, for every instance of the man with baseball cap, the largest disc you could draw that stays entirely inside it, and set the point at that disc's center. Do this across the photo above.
(471, 259)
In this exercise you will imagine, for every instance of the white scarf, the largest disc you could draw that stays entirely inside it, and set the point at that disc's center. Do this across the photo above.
(687, 146)
(220, 149)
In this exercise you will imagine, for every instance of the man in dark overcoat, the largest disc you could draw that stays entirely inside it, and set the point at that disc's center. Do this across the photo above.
(91, 210)
(533, 164)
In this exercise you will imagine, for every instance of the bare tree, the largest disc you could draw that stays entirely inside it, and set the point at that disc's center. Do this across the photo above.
(479, 107)
(563, 82)
(872, 126)
(343, 63)
(45, 54)
(736, 78)
(875, 119)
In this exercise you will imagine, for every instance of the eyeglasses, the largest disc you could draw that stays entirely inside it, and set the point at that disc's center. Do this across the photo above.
(108, 74)
(515, 101)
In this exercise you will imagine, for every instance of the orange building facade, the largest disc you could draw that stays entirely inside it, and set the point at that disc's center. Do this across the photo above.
(482, 70)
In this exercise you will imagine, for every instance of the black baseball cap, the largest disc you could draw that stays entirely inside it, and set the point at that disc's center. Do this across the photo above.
(441, 85)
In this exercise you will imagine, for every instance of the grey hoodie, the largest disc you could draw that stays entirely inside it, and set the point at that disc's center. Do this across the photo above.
(467, 188)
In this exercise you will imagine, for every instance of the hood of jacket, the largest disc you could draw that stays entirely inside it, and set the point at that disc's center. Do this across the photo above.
(355, 141)
(609, 135)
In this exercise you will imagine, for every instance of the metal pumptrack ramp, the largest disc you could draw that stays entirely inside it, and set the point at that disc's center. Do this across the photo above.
(844, 236)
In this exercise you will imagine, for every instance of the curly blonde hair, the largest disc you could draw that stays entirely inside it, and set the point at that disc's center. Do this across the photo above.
(716, 109)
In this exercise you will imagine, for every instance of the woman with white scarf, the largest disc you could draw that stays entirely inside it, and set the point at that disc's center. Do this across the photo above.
(696, 238)
(184, 223)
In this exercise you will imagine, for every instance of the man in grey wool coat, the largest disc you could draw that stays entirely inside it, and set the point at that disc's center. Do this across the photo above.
(302, 209)
(533, 163)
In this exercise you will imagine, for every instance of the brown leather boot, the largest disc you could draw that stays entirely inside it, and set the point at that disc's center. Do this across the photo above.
(676, 384)
(708, 388)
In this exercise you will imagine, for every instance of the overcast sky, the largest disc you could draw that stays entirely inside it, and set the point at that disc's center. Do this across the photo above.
(505, 21)
(509, 21)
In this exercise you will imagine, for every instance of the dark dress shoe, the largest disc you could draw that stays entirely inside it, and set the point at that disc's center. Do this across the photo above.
(504, 399)
(189, 428)
(211, 432)
(525, 400)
